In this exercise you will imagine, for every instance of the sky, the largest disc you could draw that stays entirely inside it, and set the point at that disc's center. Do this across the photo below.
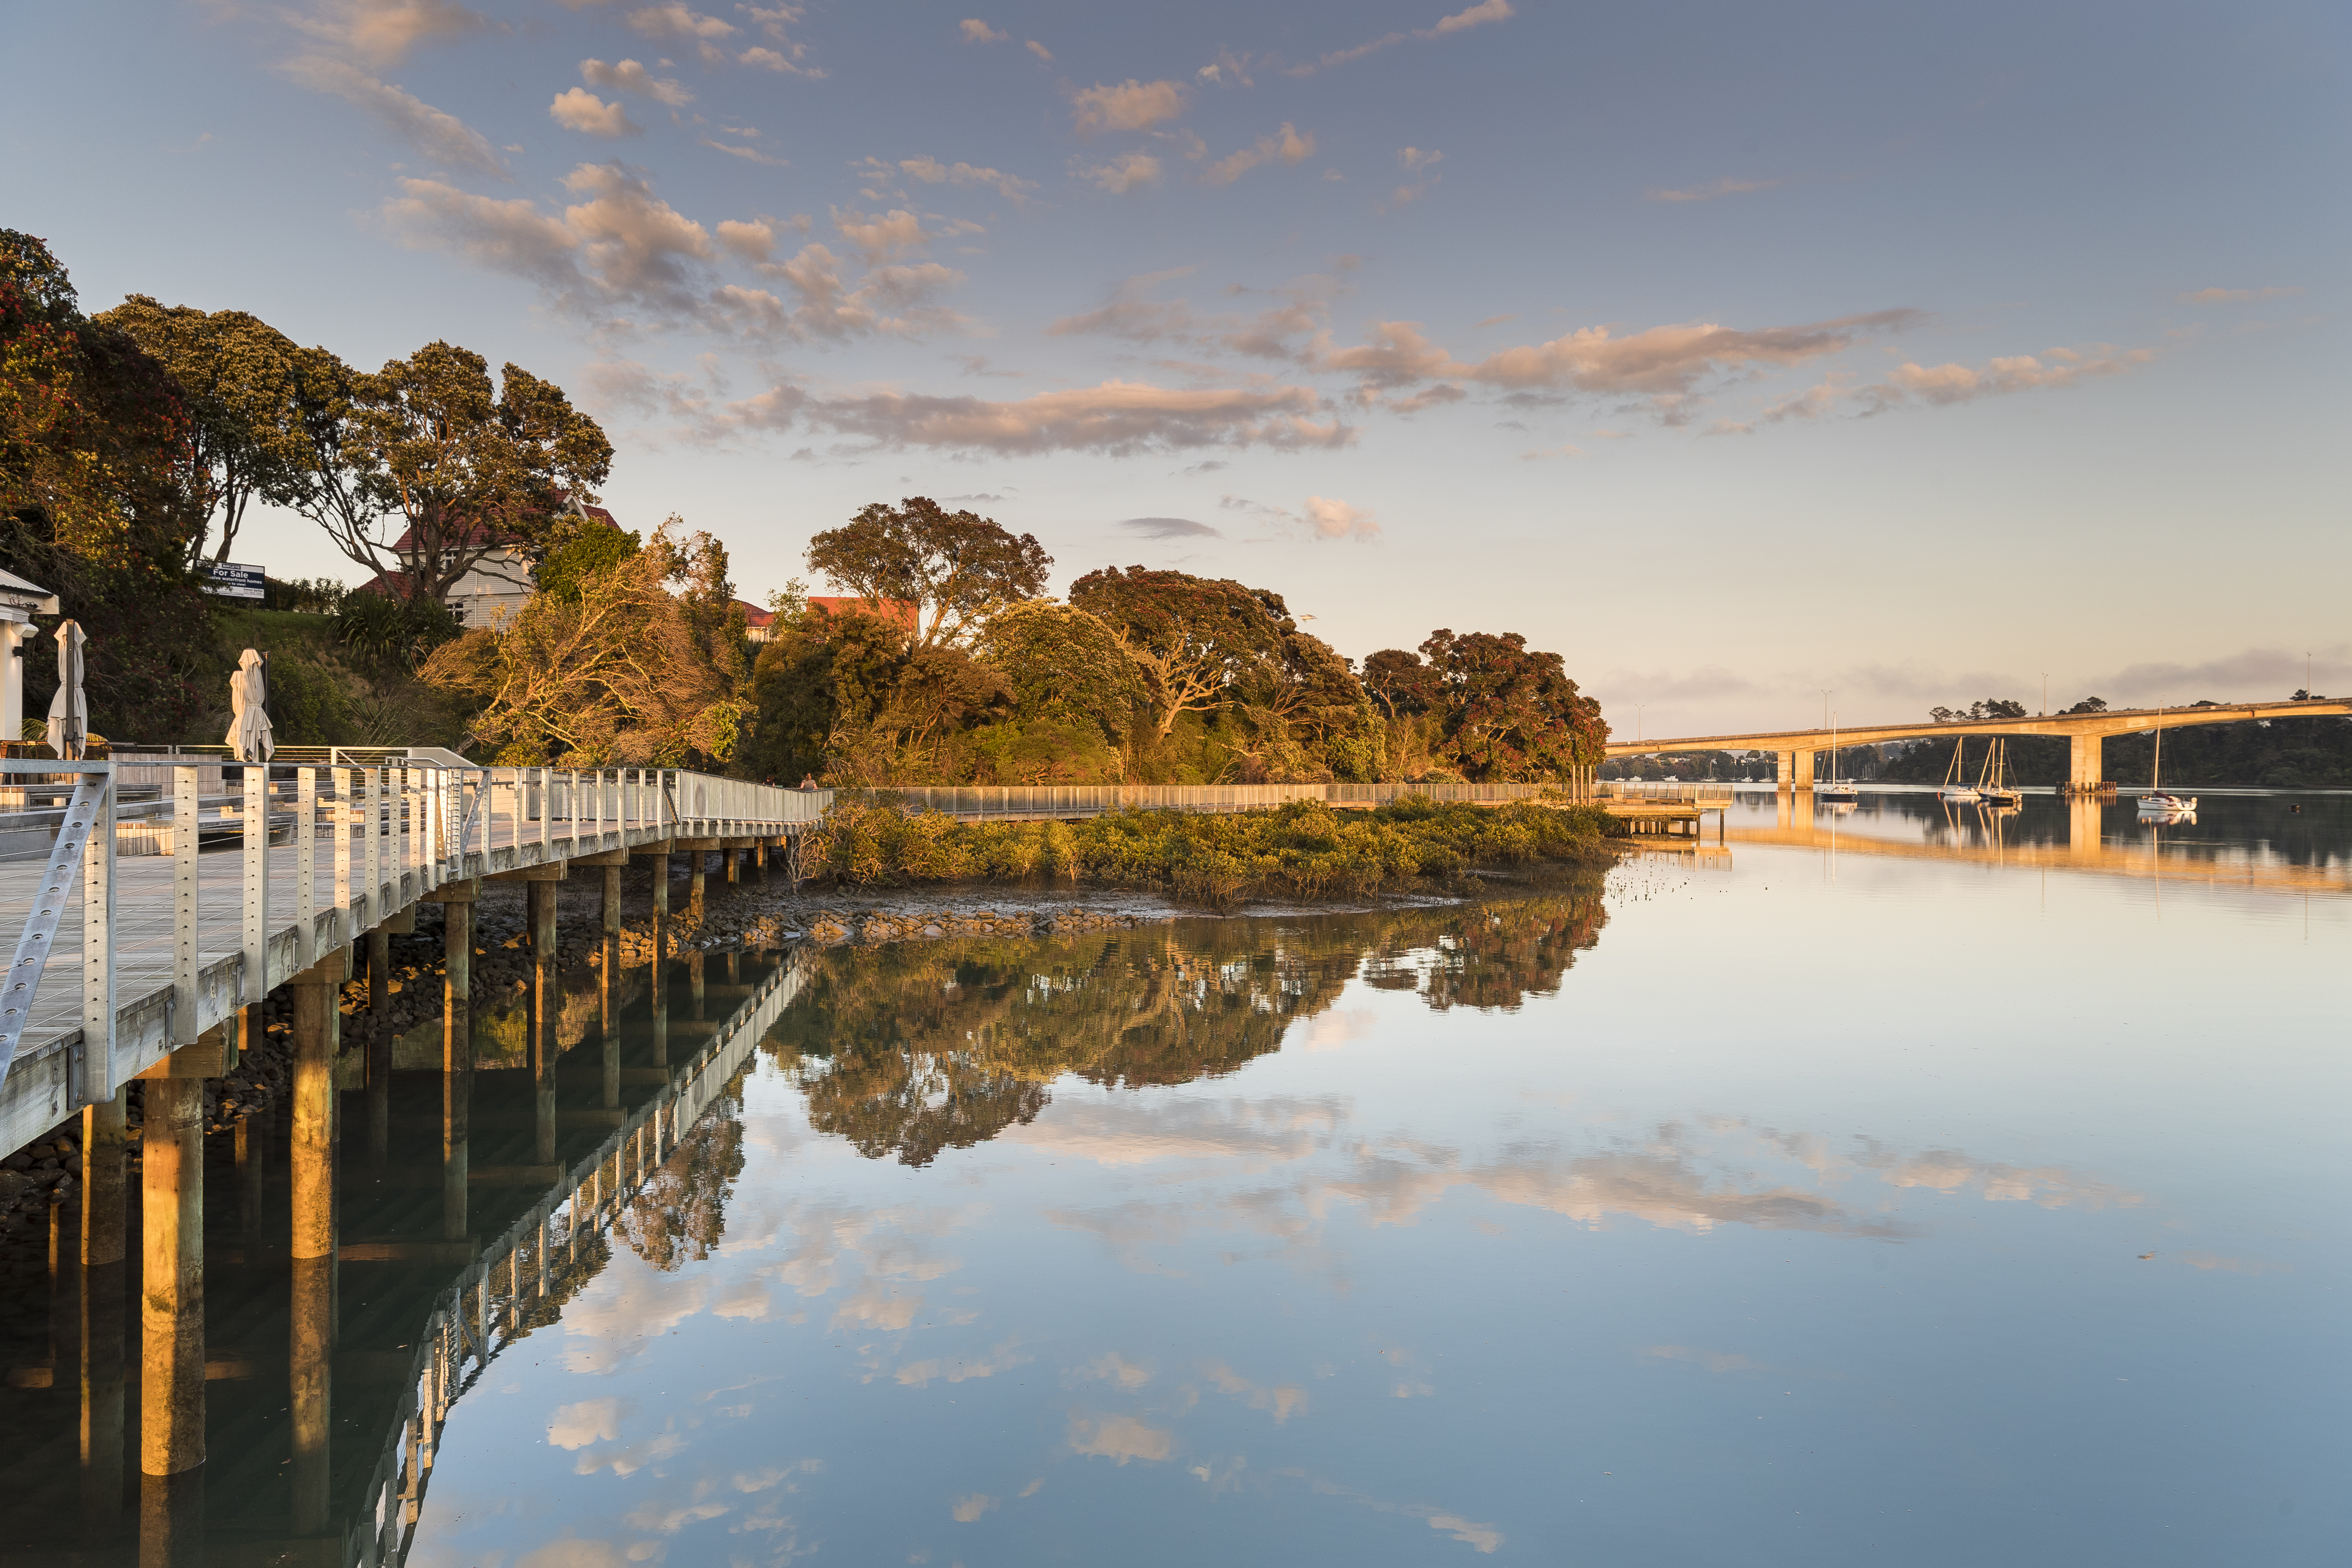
(1761, 361)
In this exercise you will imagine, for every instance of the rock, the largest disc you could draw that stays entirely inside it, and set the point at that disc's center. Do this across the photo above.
(14, 1184)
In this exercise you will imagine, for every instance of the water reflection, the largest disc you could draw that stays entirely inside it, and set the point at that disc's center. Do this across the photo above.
(914, 1049)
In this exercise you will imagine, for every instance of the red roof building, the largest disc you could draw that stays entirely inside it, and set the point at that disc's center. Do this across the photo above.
(906, 614)
(495, 585)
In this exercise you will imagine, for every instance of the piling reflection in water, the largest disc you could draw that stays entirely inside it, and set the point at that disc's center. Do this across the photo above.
(474, 1203)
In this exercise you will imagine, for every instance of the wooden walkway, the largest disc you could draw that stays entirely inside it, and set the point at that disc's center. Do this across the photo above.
(183, 939)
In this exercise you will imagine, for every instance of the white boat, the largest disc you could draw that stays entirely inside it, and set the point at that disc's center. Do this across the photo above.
(1993, 784)
(1833, 789)
(2155, 802)
(1955, 787)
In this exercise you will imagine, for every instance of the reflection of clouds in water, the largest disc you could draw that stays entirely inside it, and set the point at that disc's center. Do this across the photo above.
(573, 1552)
(589, 1421)
(1283, 1402)
(1119, 1438)
(2213, 1263)
(1486, 1538)
(610, 1324)
(1335, 1030)
(1113, 1367)
(967, 1508)
(1003, 1358)
(1127, 1131)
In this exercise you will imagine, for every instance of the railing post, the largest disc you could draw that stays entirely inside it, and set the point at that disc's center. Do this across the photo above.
(257, 883)
(340, 779)
(305, 906)
(370, 826)
(99, 1076)
(185, 803)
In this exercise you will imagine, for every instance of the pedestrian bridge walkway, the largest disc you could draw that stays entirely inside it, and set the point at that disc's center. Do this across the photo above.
(220, 883)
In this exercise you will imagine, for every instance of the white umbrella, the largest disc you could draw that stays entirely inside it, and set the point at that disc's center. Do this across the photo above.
(68, 710)
(248, 699)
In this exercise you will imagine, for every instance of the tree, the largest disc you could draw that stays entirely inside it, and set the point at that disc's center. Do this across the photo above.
(625, 673)
(957, 568)
(1195, 638)
(240, 381)
(1400, 683)
(468, 472)
(589, 551)
(96, 453)
(1065, 666)
(1506, 713)
(854, 699)
(2090, 705)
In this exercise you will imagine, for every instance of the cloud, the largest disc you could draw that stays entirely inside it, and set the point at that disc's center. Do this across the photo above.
(1170, 528)
(878, 237)
(582, 110)
(1337, 520)
(1674, 360)
(1944, 385)
(1414, 160)
(443, 138)
(2234, 296)
(749, 154)
(965, 1510)
(1117, 1438)
(1126, 172)
(383, 31)
(932, 172)
(788, 56)
(678, 23)
(1131, 105)
(1040, 50)
(1286, 144)
(1115, 419)
(1484, 12)
(1565, 449)
(570, 1552)
(976, 31)
(1725, 186)
(630, 77)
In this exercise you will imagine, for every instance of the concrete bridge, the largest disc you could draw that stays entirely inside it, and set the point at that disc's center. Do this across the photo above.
(1794, 750)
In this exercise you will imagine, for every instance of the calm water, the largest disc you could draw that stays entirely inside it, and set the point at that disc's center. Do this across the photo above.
(1927, 1199)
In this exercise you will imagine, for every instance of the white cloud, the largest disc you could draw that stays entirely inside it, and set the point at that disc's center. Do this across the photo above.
(932, 172)
(2234, 296)
(630, 77)
(965, 1510)
(878, 237)
(749, 154)
(1116, 418)
(1131, 105)
(1725, 186)
(976, 31)
(1282, 1402)
(582, 110)
(1336, 520)
(1040, 50)
(1124, 172)
(1286, 144)
(383, 31)
(1484, 12)
(676, 23)
(788, 56)
(1944, 385)
(443, 138)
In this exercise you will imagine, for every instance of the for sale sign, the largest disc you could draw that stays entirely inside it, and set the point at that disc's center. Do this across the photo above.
(231, 581)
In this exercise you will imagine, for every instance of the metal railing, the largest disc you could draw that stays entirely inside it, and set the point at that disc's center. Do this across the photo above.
(1695, 794)
(484, 1310)
(1033, 801)
(170, 945)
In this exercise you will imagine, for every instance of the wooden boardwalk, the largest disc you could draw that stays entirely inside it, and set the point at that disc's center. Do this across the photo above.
(182, 940)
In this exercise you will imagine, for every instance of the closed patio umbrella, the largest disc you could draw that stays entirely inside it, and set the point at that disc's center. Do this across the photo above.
(68, 710)
(248, 699)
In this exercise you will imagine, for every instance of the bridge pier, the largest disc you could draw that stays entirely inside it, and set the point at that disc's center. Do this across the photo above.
(694, 885)
(608, 1009)
(318, 1031)
(2085, 824)
(380, 1039)
(457, 901)
(2086, 766)
(171, 1310)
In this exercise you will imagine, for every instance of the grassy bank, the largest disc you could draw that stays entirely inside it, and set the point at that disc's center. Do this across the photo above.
(1303, 850)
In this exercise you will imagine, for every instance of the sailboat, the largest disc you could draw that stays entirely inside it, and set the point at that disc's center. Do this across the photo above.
(1955, 786)
(1834, 789)
(2155, 802)
(1993, 783)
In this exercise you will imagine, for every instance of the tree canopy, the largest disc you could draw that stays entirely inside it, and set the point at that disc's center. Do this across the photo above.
(1502, 713)
(957, 568)
(240, 381)
(469, 470)
(1195, 638)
